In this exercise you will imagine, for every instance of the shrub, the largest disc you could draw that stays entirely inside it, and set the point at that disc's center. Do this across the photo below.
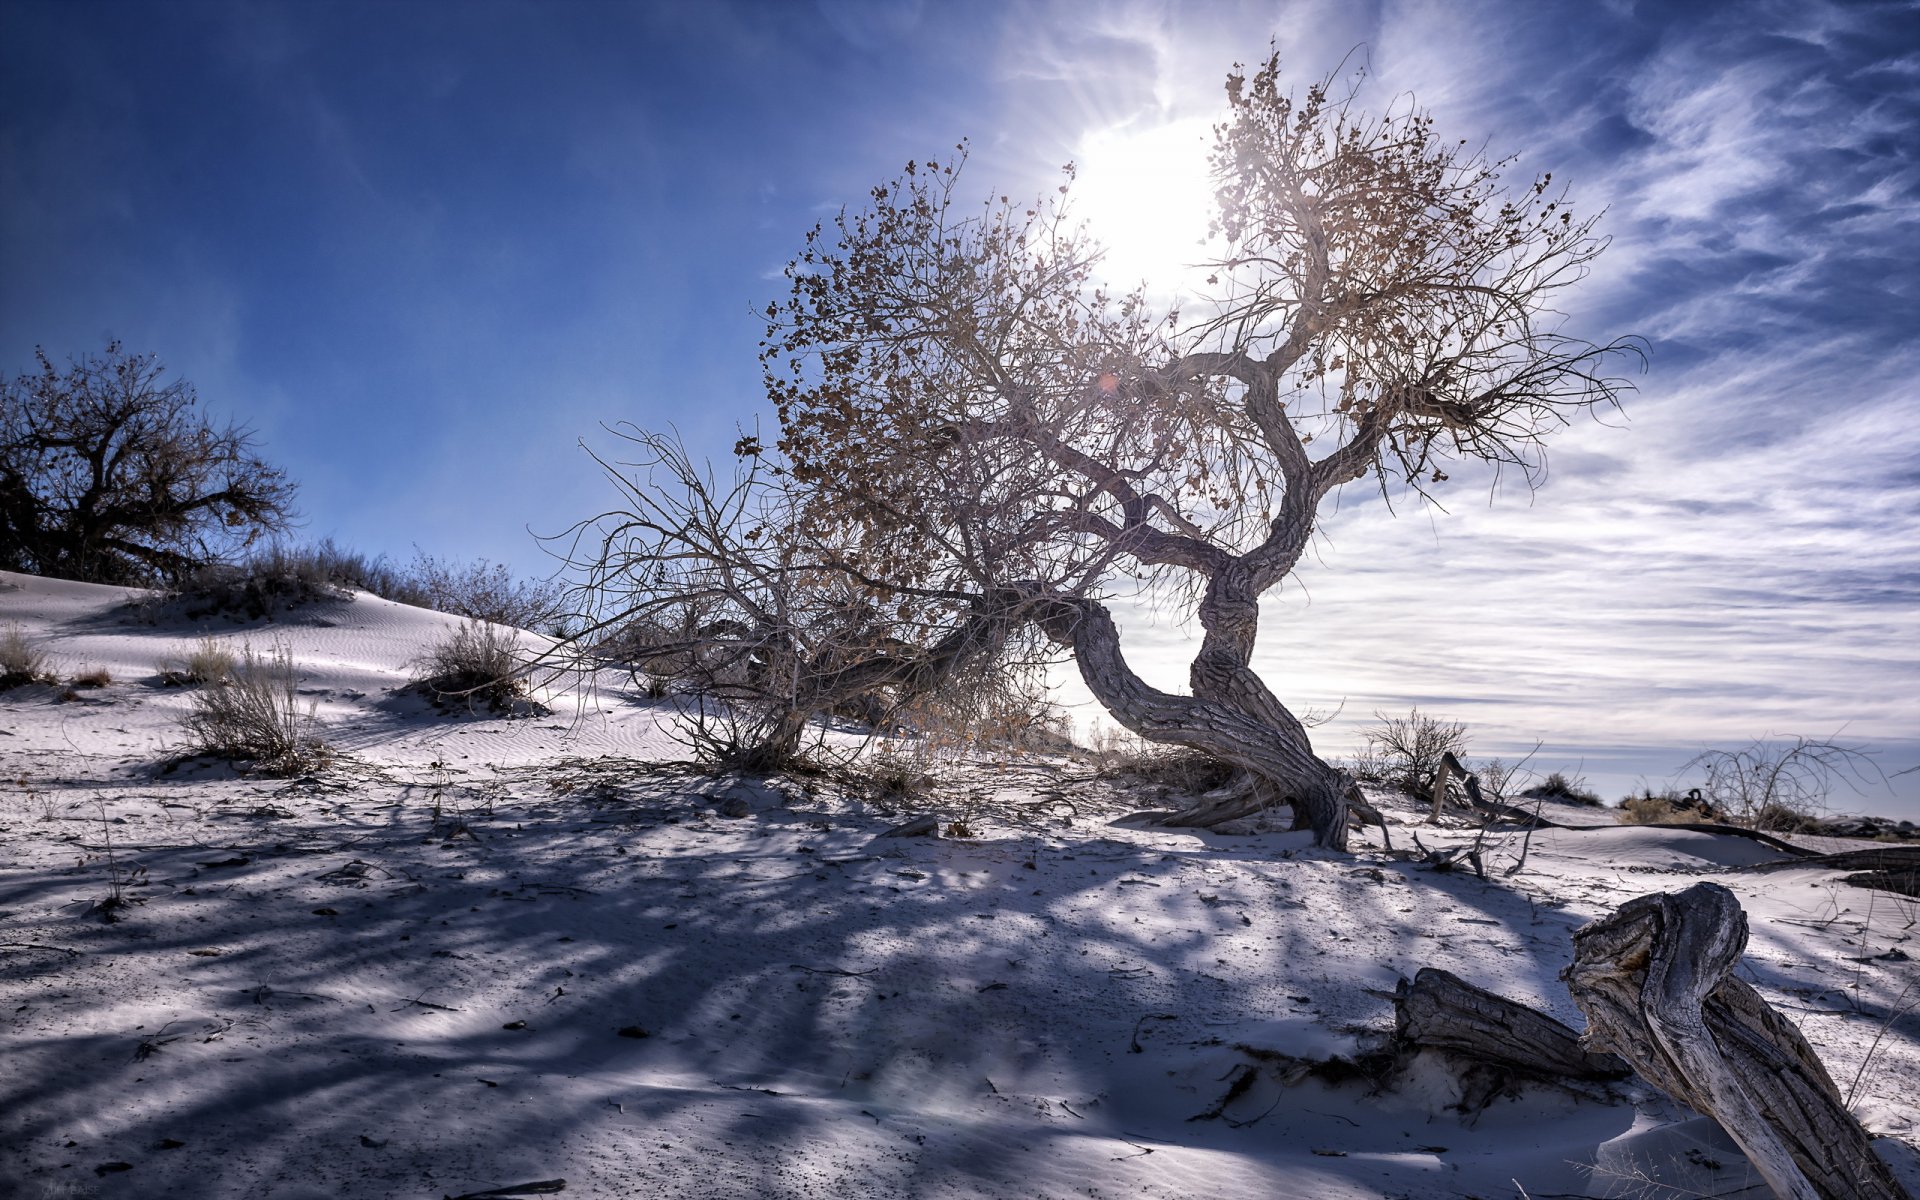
(92, 677)
(478, 666)
(1650, 809)
(21, 662)
(485, 591)
(276, 579)
(1557, 786)
(1179, 770)
(1495, 775)
(1406, 751)
(255, 715)
(208, 661)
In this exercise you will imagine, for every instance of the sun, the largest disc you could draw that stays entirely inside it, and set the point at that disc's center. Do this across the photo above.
(1146, 196)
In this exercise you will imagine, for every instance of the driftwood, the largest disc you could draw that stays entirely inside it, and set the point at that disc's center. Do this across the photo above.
(1439, 1009)
(1656, 983)
(1492, 810)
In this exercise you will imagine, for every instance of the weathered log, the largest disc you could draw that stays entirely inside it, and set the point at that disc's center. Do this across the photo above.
(1905, 883)
(1873, 858)
(1439, 1009)
(1656, 983)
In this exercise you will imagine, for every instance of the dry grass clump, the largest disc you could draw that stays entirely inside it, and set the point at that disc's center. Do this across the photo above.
(22, 662)
(1178, 770)
(479, 666)
(254, 714)
(209, 660)
(1663, 809)
(898, 776)
(92, 677)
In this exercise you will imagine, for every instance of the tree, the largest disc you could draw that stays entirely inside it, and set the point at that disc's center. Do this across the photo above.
(1779, 785)
(981, 428)
(108, 474)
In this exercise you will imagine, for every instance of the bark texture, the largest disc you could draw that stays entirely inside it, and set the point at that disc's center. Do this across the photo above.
(1439, 1009)
(1275, 753)
(1656, 983)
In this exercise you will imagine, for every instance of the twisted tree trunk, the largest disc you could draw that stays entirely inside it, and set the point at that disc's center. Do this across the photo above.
(1275, 753)
(1656, 982)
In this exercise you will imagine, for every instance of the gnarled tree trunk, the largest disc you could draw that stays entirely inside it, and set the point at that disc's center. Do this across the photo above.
(1276, 754)
(1656, 982)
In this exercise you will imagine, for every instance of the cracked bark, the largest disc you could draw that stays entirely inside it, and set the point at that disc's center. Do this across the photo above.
(1656, 982)
(1276, 752)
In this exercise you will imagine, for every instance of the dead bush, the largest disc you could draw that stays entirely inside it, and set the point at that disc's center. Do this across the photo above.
(487, 592)
(209, 660)
(1781, 785)
(255, 715)
(22, 662)
(1405, 752)
(92, 677)
(275, 580)
(1557, 786)
(1180, 771)
(478, 667)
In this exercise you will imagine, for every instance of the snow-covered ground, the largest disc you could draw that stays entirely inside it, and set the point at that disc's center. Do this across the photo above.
(474, 953)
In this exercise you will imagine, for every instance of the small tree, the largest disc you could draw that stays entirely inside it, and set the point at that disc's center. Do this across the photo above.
(1777, 784)
(108, 474)
(969, 419)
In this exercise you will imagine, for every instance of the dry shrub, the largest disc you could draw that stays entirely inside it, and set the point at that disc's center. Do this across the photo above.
(1405, 752)
(92, 677)
(1179, 770)
(1779, 785)
(209, 660)
(900, 776)
(255, 715)
(1663, 809)
(484, 591)
(277, 579)
(1557, 786)
(478, 666)
(22, 662)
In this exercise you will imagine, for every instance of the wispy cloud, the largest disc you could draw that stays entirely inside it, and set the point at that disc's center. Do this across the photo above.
(1739, 556)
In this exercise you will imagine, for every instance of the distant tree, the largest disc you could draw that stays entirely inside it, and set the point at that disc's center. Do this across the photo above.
(108, 474)
(1780, 785)
(985, 432)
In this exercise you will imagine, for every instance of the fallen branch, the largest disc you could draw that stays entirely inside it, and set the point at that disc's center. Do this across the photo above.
(1656, 982)
(1438, 1009)
(39, 946)
(540, 1187)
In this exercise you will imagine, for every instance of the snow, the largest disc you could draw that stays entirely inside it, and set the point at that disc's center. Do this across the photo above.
(408, 975)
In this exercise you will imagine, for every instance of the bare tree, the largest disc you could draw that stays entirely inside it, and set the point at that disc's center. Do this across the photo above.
(108, 474)
(969, 414)
(1777, 784)
(714, 588)
(1408, 749)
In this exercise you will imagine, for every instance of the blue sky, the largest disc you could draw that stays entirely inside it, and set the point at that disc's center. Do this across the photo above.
(423, 248)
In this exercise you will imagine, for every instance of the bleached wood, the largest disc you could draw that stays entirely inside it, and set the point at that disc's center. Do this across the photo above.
(1656, 983)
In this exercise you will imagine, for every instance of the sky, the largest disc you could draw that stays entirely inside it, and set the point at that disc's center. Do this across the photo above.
(425, 249)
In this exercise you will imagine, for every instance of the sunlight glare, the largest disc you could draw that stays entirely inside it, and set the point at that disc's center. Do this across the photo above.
(1145, 194)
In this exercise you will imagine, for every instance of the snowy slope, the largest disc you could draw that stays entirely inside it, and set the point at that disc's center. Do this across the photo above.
(483, 952)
